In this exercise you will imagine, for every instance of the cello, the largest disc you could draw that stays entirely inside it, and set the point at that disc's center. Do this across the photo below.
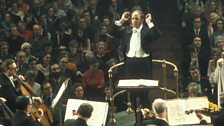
(38, 110)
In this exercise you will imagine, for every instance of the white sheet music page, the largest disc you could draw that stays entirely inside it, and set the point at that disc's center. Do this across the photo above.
(99, 114)
(138, 82)
(176, 109)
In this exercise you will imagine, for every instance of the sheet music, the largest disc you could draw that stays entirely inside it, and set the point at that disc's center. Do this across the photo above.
(138, 82)
(177, 107)
(99, 115)
(60, 92)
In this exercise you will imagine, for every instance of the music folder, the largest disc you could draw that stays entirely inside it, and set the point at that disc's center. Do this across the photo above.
(138, 83)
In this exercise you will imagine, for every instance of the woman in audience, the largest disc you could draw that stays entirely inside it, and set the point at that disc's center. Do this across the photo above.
(44, 65)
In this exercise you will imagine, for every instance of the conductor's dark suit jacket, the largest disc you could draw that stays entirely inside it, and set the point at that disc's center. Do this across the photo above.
(21, 119)
(124, 33)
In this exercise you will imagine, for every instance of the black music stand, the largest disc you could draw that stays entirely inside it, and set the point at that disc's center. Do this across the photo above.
(137, 85)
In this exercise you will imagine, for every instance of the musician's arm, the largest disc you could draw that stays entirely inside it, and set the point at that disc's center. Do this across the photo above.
(201, 118)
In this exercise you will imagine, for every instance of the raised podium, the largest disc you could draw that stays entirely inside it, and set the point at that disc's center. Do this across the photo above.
(137, 86)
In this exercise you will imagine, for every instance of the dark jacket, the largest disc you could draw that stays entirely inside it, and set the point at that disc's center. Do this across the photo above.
(155, 121)
(77, 122)
(8, 92)
(125, 33)
(21, 119)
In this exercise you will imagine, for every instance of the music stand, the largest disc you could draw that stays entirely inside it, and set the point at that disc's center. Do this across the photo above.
(137, 85)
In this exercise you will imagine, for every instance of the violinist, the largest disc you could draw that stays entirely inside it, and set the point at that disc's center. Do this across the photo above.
(23, 109)
(160, 109)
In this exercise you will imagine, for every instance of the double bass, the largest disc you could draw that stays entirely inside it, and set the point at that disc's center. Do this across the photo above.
(38, 110)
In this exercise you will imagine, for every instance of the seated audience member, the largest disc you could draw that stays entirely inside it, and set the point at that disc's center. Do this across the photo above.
(203, 83)
(26, 48)
(84, 113)
(78, 91)
(93, 80)
(23, 107)
(31, 84)
(32, 65)
(4, 51)
(192, 91)
(47, 94)
(160, 109)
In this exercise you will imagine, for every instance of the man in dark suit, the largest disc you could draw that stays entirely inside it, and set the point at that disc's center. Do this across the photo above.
(9, 89)
(136, 40)
(7, 86)
(160, 109)
(198, 55)
(135, 44)
(202, 82)
(197, 29)
(84, 113)
(20, 118)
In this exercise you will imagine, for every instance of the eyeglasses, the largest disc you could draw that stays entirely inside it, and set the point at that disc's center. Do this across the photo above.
(197, 21)
(63, 61)
(12, 68)
(47, 88)
(54, 69)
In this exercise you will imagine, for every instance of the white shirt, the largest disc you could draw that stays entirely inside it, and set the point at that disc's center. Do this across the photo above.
(135, 49)
(11, 79)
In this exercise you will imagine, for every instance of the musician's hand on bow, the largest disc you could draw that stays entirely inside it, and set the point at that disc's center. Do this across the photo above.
(19, 77)
(2, 100)
(148, 18)
(199, 115)
(37, 99)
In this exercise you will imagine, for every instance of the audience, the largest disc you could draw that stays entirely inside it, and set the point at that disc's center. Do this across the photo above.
(66, 34)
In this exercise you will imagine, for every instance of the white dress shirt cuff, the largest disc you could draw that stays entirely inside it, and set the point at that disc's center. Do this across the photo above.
(150, 25)
(118, 23)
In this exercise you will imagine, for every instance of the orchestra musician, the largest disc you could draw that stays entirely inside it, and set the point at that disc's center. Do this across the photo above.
(84, 113)
(23, 106)
(9, 89)
(160, 110)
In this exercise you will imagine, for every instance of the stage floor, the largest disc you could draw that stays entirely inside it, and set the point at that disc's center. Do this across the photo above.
(123, 119)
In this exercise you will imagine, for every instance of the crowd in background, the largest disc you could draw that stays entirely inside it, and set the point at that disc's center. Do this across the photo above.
(53, 40)
(202, 40)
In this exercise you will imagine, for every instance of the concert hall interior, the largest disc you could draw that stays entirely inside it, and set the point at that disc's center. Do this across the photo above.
(111, 62)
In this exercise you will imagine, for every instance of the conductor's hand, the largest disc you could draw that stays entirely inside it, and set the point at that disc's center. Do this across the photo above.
(125, 17)
(148, 18)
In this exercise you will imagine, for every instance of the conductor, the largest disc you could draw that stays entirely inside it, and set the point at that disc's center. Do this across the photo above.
(135, 43)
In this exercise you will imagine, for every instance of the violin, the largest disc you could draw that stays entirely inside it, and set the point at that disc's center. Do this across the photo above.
(205, 111)
(38, 110)
(147, 114)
